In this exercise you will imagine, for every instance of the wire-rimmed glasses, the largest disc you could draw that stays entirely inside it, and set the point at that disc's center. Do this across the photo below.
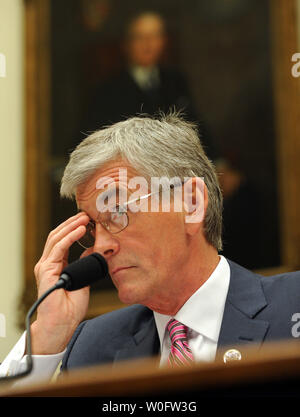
(114, 221)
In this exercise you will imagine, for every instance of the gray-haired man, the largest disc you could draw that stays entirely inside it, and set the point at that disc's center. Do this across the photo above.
(165, 263)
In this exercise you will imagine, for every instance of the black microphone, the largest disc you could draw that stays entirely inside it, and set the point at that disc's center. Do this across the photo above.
(83, 272)
(78, 274)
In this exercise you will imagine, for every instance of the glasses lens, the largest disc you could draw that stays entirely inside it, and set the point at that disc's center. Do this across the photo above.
(114, 222)
(118, 221)
(88, 239)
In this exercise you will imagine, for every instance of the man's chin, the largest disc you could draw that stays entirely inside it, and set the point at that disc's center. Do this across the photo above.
(128, 296)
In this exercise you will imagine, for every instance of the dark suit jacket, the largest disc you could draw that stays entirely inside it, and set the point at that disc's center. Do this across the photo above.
(257, 309)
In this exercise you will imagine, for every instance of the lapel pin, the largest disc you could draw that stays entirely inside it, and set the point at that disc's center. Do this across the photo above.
(232, 355)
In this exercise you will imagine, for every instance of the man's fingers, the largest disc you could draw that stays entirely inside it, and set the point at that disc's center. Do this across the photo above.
(55, 254)
(61, 231)
(59, 250)
(57, 258)
(67, 222)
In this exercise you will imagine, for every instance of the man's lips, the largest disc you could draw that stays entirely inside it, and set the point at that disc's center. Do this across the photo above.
(121, 268)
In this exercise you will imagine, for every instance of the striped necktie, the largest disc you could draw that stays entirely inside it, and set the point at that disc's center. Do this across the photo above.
(180, 353)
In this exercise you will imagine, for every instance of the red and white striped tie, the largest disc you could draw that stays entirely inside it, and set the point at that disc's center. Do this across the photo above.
(181, 353)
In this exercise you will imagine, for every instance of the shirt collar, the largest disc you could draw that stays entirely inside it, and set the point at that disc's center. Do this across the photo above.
(203, 311)
(144, 76)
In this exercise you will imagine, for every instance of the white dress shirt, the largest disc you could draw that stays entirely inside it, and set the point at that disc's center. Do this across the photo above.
(43, 368)
(202, 314)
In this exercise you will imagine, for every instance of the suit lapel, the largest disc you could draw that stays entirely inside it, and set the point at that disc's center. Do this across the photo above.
(245, 299)
(142, 342)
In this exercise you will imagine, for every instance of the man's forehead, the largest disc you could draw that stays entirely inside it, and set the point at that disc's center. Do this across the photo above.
(116, 172)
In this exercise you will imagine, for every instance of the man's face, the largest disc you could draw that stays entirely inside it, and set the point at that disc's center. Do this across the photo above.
(146, 41)
(146, 260)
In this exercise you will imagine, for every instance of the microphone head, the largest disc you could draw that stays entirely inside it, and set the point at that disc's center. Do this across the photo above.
(84, 272)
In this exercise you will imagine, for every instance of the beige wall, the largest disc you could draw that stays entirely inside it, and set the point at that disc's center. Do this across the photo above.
(11, 170)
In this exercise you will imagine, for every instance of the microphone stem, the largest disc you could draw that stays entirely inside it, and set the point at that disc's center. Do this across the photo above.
(32, 309)
(29, 363)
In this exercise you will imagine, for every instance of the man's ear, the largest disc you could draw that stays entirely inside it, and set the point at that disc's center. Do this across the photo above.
(195, 201)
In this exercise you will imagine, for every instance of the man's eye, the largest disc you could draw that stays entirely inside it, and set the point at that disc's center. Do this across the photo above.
(116, 215)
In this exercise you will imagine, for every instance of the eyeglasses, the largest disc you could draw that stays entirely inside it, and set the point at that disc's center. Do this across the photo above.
(113, 221)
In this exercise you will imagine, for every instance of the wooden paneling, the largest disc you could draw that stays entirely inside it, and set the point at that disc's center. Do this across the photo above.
(38, 128)
(273, 363)
(287, 116)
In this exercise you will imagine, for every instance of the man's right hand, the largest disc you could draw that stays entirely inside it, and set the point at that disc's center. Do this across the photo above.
(61, 312)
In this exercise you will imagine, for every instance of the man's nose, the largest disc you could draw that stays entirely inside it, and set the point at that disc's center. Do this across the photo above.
(105, 243)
